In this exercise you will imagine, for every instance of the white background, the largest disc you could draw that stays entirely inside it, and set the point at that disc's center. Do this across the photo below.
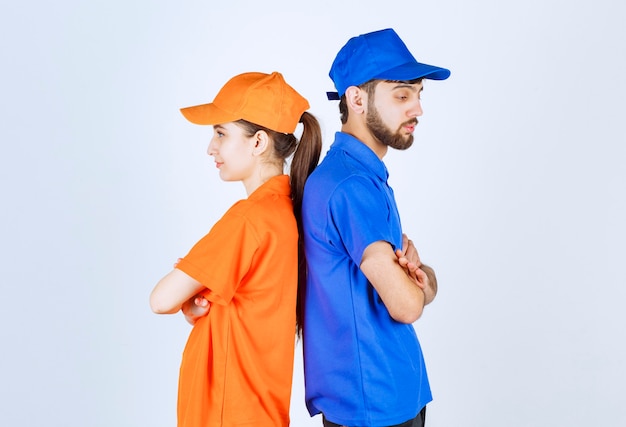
(514, 192)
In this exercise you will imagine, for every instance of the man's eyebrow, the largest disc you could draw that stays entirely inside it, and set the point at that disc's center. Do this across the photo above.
(402, 85)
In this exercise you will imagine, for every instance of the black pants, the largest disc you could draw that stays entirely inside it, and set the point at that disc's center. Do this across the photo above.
(418, 421)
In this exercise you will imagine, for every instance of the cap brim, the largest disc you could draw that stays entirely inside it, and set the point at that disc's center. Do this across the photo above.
(414, 70)
(207, 114)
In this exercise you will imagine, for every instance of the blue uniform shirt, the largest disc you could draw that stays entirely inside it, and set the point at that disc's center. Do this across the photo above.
(361, 366)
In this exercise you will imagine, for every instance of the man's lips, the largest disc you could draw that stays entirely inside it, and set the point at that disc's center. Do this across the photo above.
(410, 126)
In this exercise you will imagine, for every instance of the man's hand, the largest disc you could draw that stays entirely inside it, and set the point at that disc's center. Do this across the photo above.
(432, 284)
(195, 308)
(408, 258)
(423, 275)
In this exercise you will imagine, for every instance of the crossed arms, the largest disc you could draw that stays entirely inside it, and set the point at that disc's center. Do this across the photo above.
(404, 284)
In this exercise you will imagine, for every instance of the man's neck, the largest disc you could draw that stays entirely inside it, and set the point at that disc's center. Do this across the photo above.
(363, 134)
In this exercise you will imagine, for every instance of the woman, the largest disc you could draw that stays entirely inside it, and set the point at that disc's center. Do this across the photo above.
(237, 365)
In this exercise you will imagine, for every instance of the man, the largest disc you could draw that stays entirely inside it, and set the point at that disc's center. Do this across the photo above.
(365, 284)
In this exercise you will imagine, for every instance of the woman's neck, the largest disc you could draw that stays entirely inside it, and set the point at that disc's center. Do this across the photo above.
(263, 174)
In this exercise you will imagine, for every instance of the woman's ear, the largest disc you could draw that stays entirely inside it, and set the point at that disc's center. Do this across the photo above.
(356, 99)
(261, 141)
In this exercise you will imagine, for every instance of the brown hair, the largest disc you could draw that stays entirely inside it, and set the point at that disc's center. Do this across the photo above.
(306, 155)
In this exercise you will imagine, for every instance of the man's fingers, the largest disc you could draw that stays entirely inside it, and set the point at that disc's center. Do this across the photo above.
(422, 278)
(405, 243)
(412, 254)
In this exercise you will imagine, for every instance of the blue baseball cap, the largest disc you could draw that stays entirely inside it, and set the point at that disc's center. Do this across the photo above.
(378, 55)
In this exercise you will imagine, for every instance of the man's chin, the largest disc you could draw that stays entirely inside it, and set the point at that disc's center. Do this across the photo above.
(402, 144)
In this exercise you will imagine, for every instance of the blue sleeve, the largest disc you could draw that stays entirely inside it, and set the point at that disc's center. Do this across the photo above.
(360, 213)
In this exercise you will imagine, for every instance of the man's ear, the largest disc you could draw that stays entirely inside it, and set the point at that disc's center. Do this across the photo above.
(356, 99)
(261, 141)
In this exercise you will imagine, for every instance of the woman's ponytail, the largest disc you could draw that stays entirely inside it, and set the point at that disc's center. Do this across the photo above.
(304, 161)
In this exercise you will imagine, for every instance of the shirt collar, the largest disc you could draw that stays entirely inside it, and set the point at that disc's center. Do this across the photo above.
(361, 153)
(276, 185)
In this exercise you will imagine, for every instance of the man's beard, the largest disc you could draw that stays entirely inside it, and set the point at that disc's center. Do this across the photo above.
(383, 134)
